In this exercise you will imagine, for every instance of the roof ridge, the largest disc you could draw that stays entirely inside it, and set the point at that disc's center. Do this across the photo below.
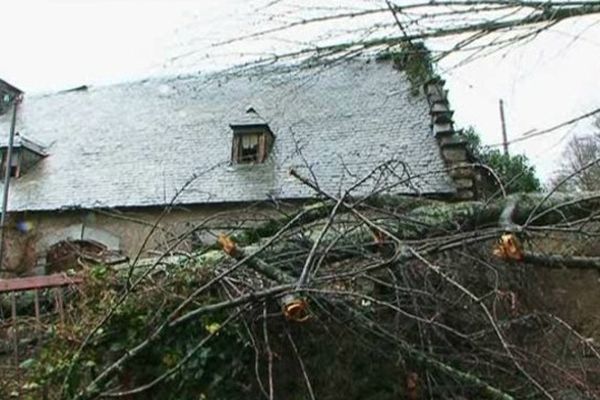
(232, 72)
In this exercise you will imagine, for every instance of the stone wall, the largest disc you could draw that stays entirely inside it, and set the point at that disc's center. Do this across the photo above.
(29, 236)
(453, 147)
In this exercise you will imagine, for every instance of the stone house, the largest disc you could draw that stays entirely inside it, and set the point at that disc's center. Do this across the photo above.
(96, 167)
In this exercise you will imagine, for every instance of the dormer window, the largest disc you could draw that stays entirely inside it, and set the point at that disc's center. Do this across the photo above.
(25, 154)
(252, 140)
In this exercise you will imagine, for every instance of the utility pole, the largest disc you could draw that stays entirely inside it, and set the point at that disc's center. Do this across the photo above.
(504, 137)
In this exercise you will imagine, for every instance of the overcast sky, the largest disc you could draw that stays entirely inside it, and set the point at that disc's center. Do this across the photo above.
(56, 44)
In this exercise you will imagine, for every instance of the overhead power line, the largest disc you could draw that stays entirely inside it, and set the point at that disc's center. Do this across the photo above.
(528, 135)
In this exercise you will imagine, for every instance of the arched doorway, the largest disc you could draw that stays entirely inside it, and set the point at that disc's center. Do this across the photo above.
(75, 254)
(74, 247)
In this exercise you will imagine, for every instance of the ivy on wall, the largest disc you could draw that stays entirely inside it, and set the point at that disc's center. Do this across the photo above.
(414, 58)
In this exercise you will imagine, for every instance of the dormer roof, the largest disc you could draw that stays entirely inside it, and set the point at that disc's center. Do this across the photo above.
(24, 143)
(8, 88)
(248, 121)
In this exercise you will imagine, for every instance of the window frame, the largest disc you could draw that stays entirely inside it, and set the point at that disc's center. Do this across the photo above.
(264, 141)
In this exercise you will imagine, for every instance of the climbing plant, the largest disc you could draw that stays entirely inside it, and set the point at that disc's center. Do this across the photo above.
(414, 59)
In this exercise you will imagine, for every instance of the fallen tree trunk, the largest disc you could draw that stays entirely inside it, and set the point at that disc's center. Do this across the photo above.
(555, 261)
(418, 219)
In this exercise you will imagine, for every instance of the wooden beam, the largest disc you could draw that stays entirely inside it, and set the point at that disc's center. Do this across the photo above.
(36, 305)
(15, 327)
(38, 282)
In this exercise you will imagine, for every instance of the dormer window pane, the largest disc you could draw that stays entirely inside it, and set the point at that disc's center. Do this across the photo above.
(249, 148)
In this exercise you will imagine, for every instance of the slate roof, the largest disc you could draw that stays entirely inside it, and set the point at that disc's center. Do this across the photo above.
(137, 144)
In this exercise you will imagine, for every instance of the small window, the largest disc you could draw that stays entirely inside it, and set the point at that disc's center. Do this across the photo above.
(14, 168)
(251, 145)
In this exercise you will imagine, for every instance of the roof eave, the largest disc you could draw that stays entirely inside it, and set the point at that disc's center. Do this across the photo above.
(9, 87)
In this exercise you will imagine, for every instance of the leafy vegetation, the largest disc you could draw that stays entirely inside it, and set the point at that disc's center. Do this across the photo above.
(379, 314)
(192, 372)
(515, 172)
